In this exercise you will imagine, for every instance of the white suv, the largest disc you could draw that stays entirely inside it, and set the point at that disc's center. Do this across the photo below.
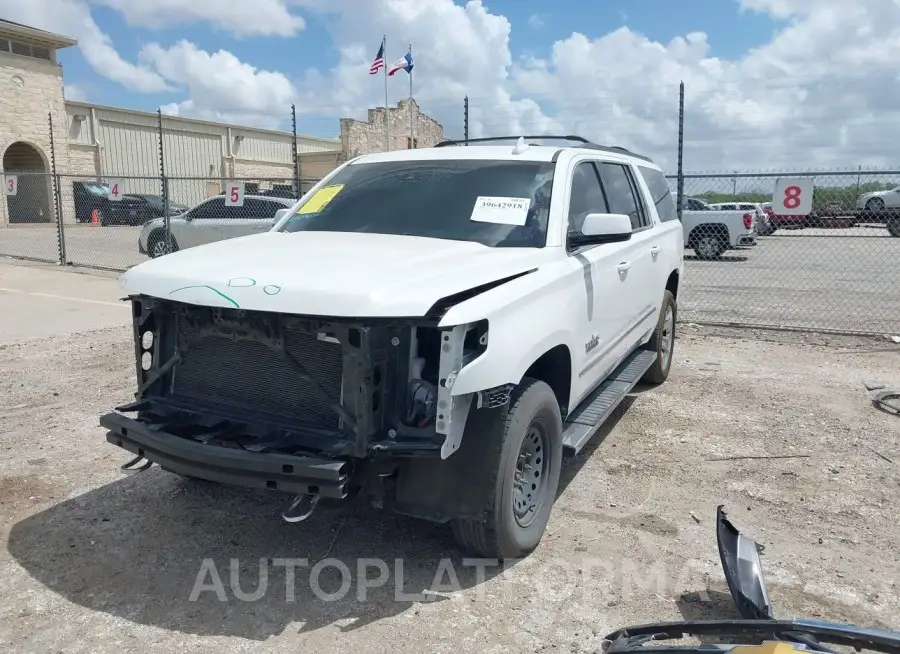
(430, 328)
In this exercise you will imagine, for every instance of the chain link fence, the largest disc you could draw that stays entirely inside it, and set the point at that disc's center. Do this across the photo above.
(807, 251)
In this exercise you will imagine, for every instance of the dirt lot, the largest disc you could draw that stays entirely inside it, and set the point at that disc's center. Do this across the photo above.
(94, 561)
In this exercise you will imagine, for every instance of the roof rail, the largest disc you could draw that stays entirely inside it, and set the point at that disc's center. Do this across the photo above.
(579, 140)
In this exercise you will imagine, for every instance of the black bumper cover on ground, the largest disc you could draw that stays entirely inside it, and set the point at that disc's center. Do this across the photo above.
(294, 474)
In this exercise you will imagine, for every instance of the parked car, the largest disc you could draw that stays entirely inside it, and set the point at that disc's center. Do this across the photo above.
(131, 209)
(877, 201)
(763, 225)
(709, 233)
(430, 330)
(137, 209)
(211, 221)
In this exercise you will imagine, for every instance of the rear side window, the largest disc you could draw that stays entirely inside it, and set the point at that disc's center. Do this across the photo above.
(659, 191)
(620, 194)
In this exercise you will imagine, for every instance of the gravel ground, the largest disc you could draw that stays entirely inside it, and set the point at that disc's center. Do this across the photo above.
(838, 279)
(96, 561)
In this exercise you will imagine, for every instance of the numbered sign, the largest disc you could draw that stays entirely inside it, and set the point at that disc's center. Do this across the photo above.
(114, 191)
(793, 196)
(10, 185)
(234, 194)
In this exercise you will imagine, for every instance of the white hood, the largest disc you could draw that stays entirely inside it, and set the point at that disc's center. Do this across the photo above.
(327, 273)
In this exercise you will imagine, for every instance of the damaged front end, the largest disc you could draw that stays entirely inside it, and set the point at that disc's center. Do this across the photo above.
(311, 406)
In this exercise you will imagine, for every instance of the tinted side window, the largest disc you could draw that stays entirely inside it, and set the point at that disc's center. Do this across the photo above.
(210, 209)
(587, 195)
(620, 194)
(694, 205)
(659, 191)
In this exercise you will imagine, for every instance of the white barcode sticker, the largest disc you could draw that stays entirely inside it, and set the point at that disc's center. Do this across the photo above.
(502, 211)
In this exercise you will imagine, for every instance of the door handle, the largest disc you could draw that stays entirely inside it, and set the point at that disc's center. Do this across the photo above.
(654, 252)
(625, 266)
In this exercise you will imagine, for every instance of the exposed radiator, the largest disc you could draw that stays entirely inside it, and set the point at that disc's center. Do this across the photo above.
(248, 375)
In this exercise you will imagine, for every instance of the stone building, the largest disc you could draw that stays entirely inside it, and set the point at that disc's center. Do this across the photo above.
(94, 144)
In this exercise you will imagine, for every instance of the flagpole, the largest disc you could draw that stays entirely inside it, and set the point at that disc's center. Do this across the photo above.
(412, 137)
(387, 109)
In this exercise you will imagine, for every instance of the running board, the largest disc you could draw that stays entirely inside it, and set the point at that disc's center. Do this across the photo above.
(590, 415)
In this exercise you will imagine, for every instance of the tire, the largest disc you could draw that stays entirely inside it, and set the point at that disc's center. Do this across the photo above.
(156, 244)
(531, 428)
(663, 341)
(708, 246)
(893, 227)
(874, 205)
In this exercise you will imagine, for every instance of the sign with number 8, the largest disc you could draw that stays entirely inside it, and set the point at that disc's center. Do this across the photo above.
(793, 196)
(10, 185)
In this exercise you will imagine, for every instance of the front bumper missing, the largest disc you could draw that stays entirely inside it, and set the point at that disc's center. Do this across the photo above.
(302, 475)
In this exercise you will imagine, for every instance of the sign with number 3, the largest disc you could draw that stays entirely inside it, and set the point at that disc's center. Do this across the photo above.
(234, 194)
(10, 185)
(793, 196)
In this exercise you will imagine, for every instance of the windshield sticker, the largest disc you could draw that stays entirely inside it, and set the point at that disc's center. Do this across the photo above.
(501, 211)
(320, 199)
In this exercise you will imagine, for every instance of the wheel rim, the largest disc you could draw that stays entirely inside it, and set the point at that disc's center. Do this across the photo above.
(667, 338)
(708, 246)
(160, 248)
(875, 205)
(530, 482)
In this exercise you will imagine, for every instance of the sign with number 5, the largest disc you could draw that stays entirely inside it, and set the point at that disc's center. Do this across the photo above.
(234, 194)
(114, 191)
(10, 185)
(793, 196)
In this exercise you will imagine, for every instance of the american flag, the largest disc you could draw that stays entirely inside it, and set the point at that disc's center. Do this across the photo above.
(378, 64)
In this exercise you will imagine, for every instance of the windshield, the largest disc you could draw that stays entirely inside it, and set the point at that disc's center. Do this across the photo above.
(496, 203)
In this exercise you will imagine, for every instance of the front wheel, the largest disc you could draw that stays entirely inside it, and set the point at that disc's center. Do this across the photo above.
(157, 245)
(527, 477)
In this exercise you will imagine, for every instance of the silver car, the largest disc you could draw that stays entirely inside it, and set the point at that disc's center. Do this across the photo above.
(211, 221)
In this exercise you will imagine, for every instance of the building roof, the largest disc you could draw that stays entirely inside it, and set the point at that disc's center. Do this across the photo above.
(34, 35)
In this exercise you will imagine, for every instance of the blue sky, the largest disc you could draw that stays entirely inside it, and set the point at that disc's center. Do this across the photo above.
(536, 25)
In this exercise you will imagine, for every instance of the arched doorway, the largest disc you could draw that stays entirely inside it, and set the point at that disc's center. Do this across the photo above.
(31, 203)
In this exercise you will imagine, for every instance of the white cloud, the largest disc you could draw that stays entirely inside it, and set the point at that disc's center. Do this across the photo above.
(73, 18)
(820, 91)
(240, 17)
(536, 21)
(75, 92)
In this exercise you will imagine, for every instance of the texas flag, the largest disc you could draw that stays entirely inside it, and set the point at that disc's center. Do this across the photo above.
(404, 63)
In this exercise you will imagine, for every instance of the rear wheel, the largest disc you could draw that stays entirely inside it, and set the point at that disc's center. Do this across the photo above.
(709, 245)
(893, 227)
(527, 477)
(663, 341)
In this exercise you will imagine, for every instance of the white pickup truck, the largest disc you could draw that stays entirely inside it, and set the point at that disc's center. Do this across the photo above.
(709, 233)
(428, 328)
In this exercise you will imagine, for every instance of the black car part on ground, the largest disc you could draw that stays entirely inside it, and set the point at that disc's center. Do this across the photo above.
(641, 637)
(740, 563)
(305, 405)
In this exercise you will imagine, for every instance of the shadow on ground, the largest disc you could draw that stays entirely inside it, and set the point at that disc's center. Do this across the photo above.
(135, 549)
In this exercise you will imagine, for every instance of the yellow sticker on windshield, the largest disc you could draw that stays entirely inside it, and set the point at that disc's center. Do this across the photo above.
(320, 199)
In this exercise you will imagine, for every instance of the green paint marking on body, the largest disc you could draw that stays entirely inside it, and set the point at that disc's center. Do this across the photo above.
(241, 282)
(272, 289)
(216, 291)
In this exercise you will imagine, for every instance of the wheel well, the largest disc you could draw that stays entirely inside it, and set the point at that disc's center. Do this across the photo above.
(708, 228)
(672, 284)
(554, 368)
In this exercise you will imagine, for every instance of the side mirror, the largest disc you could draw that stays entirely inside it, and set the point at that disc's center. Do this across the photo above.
(601, 228)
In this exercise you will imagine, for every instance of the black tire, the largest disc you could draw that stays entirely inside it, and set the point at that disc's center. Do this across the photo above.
(533, 425)
(708, 244)
(156, 244)
(875, 205)
(893, 227)
(663, 341)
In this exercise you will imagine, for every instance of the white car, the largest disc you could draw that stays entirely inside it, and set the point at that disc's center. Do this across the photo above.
(211, 221)
(710, 232)
(879, 200)
(430, 328)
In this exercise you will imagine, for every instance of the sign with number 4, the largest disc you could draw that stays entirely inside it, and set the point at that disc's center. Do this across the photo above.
(114, 192)
(234, 194)
(793, 196)
(10, 184)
